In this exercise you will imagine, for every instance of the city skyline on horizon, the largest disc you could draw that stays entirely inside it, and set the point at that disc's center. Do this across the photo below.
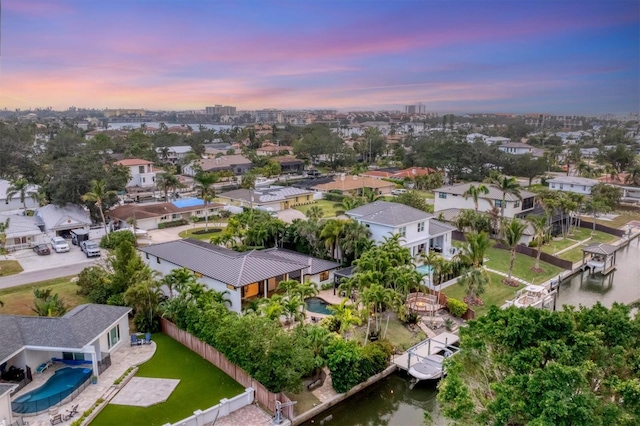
(565, 58)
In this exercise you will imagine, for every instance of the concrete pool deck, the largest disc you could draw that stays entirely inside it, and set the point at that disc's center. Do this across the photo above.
(124, 357)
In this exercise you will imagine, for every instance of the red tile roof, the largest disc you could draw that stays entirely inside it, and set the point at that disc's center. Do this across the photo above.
(133, 162)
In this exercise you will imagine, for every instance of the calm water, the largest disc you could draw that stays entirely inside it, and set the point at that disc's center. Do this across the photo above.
(622, 285)
(317, 305)
(388, 402)
(195, 127)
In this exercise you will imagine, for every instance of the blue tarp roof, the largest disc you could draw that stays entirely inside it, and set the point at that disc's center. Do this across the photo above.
(189, 202)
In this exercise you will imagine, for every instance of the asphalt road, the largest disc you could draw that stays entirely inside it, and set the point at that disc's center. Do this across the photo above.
(44, 274)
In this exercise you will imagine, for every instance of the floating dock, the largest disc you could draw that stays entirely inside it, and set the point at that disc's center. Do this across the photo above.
(427, 347)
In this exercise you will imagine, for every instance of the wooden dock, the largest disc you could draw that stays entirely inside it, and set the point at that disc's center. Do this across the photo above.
(429, 346)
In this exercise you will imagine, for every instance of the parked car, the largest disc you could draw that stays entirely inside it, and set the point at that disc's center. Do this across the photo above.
(42, 249)
(59, 245)
(398, 191)
(90, 248)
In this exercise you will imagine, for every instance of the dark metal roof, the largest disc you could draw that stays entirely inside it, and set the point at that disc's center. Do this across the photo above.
(227, 266)
(600, 248)
(346, 272)
(76, 329)
(315, 265)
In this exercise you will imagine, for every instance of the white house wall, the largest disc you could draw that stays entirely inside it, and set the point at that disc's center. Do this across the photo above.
(459, 202)
(5, 409)
(567, 187)
(165, 267)
(15, 204)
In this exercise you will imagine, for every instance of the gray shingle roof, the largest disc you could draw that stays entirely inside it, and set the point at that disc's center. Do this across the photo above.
(265, 195)
(75, 329)
(436, 227)
(5, 388)
(387, 213)
(573, 180)
(65, 217)
(315, 265)
(494, 193)
(227, 266)
(600, 248)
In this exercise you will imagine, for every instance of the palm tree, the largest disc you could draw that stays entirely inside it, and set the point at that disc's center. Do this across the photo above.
(178, 280)
(272, 307)
(345, 315)
(168, 182)
(48, 305)
(331, 234)
(305, 290)
(508, 185)
(220, 297)
(474, 282)
(314, 213)
(633, 176)
(475, 192)
(98, 195)
(294, 309)
(540, 231)
(595, 206)
(347, 203)
(513, 231)
(204, 187)
(355, 239)
(24, 189)
(477, 245)
(164, 153)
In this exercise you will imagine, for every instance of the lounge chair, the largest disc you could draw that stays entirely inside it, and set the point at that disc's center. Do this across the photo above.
(42, 367)
(20, 422)
(135, 341)
(147, 339)
(72, 412)
(55, 419)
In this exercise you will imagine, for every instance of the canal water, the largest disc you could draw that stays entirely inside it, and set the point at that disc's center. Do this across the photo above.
(389, 402)
(622, 285)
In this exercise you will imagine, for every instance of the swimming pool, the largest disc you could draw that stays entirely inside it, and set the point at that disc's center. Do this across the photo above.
(59, 386)
(425, 269)
(318, 306)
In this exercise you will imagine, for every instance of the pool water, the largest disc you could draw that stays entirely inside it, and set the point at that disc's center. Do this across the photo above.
(425, 269)
(63, 382)
(318, 306)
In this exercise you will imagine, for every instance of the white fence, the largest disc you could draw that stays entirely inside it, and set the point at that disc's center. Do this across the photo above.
(226, 406)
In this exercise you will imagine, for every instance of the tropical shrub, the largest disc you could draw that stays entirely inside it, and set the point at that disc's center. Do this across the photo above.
(173, 223)
(456, 307)
(116, 238)
(351, 363)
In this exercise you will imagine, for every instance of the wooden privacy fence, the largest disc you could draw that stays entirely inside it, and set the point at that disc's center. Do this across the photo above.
(442, 300)
(262, 395)
(545, 257)
(602, 228)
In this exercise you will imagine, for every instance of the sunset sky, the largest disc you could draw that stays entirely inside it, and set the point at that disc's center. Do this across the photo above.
(574, 57)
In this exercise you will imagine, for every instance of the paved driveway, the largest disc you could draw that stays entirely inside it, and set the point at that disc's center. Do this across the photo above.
(289, 215)
(30, 261)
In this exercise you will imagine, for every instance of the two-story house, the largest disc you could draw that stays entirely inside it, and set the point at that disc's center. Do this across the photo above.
(141, 173)
(419, 230)
(451, 197)
(575, 184)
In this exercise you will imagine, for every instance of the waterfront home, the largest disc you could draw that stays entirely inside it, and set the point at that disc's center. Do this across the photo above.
(350, 184)
(275, 198)
(153, 216)
(141, 173)
(244, 276)
(420, 231)
(575, 184)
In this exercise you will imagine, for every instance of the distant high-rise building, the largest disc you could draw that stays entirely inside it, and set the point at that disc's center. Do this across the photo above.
(269, 116)
(221, 110)
(418, 108)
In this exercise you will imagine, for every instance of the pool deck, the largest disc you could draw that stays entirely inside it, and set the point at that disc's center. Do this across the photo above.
(123, 358)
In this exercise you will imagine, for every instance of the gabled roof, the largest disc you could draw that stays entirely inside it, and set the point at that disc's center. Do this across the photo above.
(63, 217)
(387, 213)
(20, 226)
(224, 265)
(436, 227)
(147, 211)
(315, 265)
(600, 248)
(573, 180)
(265, 195)
(74, 330)
(494, 193)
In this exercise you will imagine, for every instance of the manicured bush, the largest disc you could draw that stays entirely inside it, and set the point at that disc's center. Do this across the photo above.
(336, 198)
(351, 364)
(331, 323)
(173, 223)
(456, 307)
(116, 238)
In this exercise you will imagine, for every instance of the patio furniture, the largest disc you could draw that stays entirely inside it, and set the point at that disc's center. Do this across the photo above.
(55, 419)
(42, 367)
(147, 339)
(20, 422)
(135, 341)
(72, 412)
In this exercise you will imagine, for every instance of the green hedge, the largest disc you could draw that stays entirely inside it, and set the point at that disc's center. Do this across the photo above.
(456, 307)
(173, 223)
(351, 364)
(336, 198)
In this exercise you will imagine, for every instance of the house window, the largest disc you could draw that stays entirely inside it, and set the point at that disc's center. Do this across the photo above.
(561, 186)
(158, 260)
(114, 336)
(553, 186)
(584, 188)
(140, 169)
(571, 185)
(296, 199)
(198, 212)
(164, 218)
(402, 231)
(498, 203)
(144, 180)
(516, 204)
(175, 216)
(442, 195)
(307, 197)
(420, 226)
(73, 356)
(324, 276)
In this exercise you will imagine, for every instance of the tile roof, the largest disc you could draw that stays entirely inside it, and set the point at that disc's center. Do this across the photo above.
(227, 266)
(133, 162)
(387, 213)
(223, 161)
(75, 329)
(147, 211)
(494, 193)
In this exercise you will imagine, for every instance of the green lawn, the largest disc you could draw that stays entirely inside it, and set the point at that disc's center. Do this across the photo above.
(398, 334)
(499, 260)
(191, 233)
(19, 300)
(202, 385)
(9, 267)
(554, 246)
(575, 254)
(496, 293)
(618, 222)
(327, 207)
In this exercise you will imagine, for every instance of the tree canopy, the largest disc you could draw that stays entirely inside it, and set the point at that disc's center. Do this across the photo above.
(537, 367)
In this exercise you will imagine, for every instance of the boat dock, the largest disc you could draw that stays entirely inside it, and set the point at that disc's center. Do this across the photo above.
(429, 346)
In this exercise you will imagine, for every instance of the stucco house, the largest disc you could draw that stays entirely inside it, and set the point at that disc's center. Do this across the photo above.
(141, 173)
(63, 218)
(245, 275)
(420, 231)
(15, 204)
(348, 184)
(237, 164)
(151, 216)
(451, 197)
(516, 148)
(86, 335)
(575, 184)
(23, 232)
(275, 198)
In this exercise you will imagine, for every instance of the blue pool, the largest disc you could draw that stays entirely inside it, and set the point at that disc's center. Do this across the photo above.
(59, 386)
(425, 269)
(318, 306)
